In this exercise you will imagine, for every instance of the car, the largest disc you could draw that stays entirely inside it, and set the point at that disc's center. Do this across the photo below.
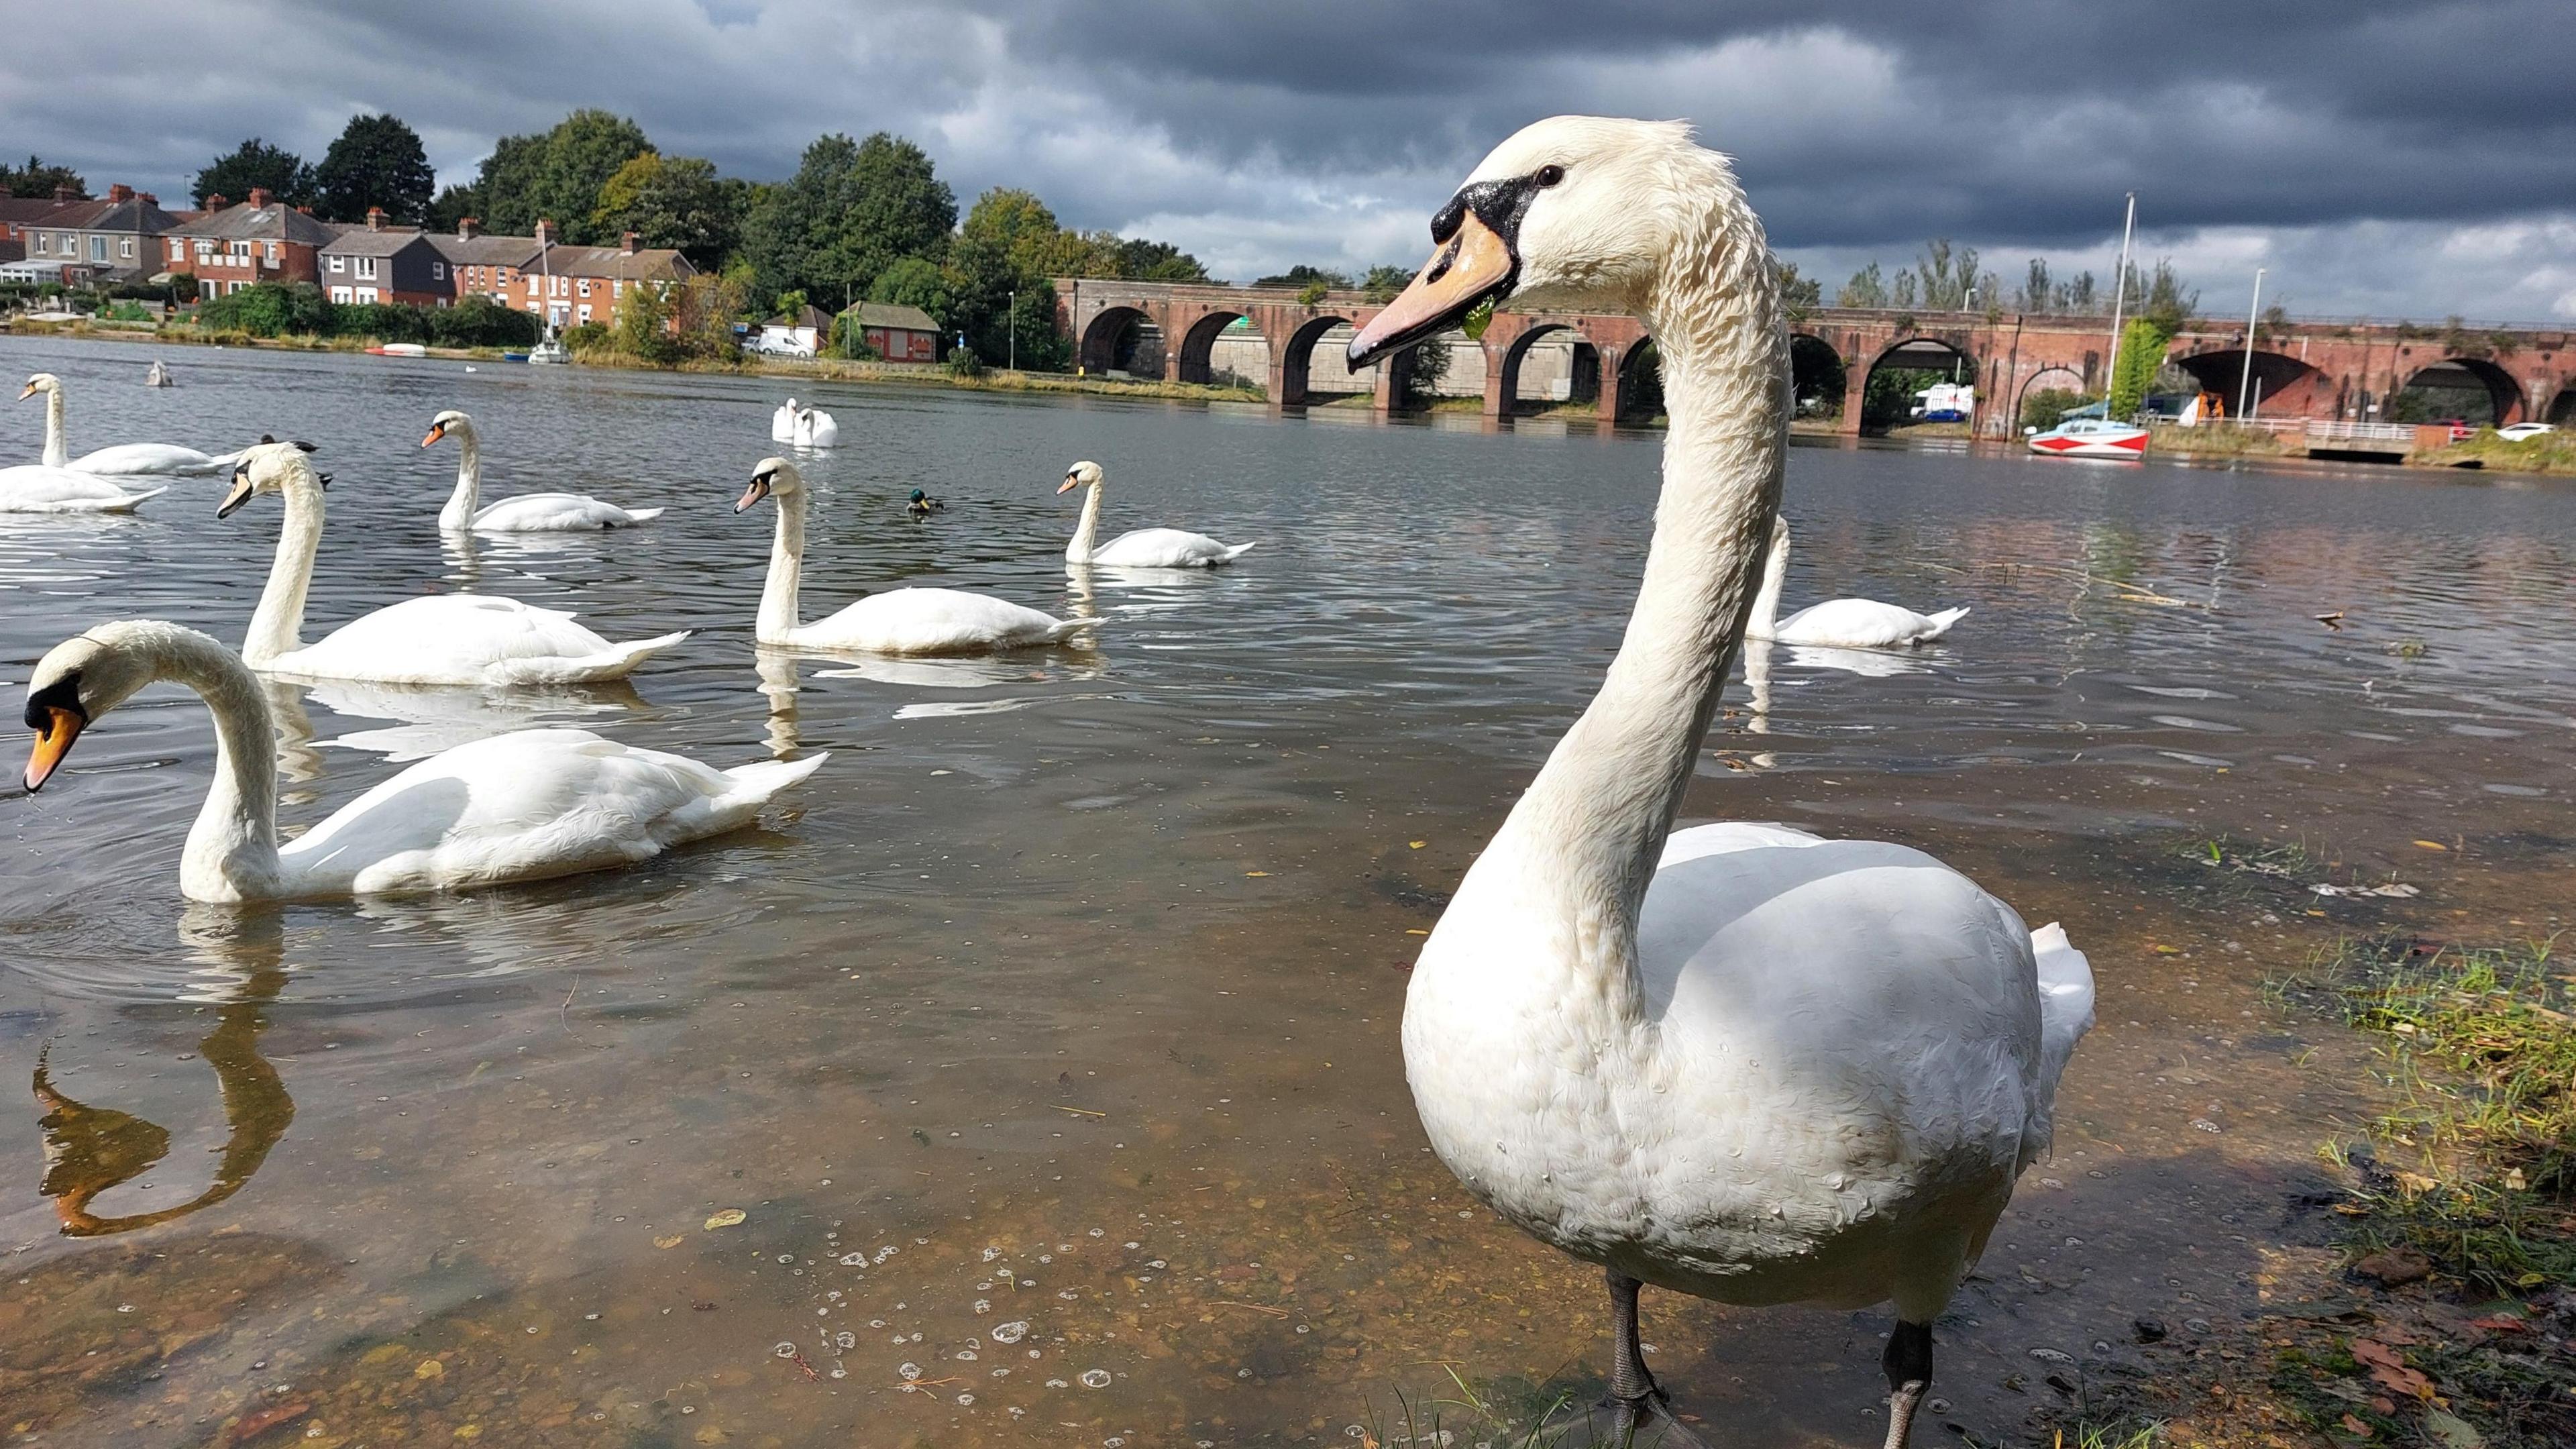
(2516, 432)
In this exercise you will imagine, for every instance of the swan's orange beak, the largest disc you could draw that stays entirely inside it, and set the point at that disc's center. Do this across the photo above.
(1469, 268)
(436, 432)
(26, 392)
(54, 738)
(1070, 483)
(758, 490)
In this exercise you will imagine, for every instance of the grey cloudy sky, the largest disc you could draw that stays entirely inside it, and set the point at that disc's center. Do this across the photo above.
(2380, 158)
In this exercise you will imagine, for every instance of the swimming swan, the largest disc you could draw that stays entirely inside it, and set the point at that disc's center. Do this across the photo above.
(1736, 1061)
(782, 423)
(525, 513)
(438, 639)
(123, 460)
(40, 488)
(1143, 548)
(899, 621)
(523, 806)
(815, 429)
(1838, 623)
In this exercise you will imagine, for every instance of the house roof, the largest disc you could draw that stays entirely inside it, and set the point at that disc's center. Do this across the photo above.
(645, 264)
(806, 316)
(29, 210)
(486, 251)
(357, 241)
(893, 314)
(273, 222)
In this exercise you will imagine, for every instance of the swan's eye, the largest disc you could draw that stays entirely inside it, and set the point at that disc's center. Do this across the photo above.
(1550, 174)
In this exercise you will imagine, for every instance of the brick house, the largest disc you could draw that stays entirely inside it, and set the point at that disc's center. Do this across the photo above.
(375, 262)
(570, 285)
(18, 213)
(898, 333)
(261, 240)
(481, 265)
(115, 239)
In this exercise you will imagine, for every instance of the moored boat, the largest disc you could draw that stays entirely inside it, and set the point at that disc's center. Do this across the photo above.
(399, 349)
(2090, 438)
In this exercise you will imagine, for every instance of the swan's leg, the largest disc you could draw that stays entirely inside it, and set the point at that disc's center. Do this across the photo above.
(1909, 1372)
(1635, 1397)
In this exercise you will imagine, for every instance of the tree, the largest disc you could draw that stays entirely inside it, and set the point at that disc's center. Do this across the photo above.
(1800, 295)
(2142, 351)
(556, 176)
(1867, 288)
(2164, 300)
(672, 201)
(38, 179)
(1152, 261)
(256, 163)
(916, 282)
(1302, 275)
(377, 161)
(1383, 283)
(852, 209)
(1027, 234)
(454, 204)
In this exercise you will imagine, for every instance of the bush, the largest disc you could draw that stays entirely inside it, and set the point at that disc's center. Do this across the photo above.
(385, 322)
(2045, 407)
(478, 321)
(850, 340)
(1313, 292)
(962, 362)
(270, 310)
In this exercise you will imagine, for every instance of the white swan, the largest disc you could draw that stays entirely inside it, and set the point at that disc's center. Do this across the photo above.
(1735, 1061)
(42, 488)
(525, 513)
(1838, 623)
(1143, 548)
(123, 460)
(782, 423)
(899, 621)
(815, 429)
(522, 806)
(446, 639)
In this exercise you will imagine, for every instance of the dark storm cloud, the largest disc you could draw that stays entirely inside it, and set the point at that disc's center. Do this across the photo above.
(1262, 134)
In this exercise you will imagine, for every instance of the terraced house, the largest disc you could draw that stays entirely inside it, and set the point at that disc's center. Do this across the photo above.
(263, 239)
(117, 238)
(570, 285)
(379, 262)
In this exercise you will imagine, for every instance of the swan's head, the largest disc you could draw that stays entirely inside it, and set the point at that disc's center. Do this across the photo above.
(267, 467)
(1080, 475)
(773, 476)
(82, 678)
(41, 382)
(450, 421)
(1575, 212)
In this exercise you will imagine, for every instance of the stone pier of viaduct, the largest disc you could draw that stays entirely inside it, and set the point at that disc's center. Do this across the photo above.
(2302, 368)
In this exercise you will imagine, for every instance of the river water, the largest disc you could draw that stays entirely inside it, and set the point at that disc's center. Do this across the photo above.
(1045, 1045)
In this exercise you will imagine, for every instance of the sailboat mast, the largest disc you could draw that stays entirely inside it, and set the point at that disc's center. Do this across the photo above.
(2119, 294)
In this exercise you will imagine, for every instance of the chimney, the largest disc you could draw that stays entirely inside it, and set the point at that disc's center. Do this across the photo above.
(546, 236)
(217, 202)
(120, 192)
(626, 243)
(375, 218)
(148, 198)
(260, 197)
(306, 210)
(468, 227)
(65, 194)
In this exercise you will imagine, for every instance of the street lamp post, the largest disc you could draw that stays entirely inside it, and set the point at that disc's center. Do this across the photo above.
(2253, 315)
(1015, 332)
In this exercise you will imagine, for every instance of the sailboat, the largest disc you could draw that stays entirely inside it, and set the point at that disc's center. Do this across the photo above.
(549, 347)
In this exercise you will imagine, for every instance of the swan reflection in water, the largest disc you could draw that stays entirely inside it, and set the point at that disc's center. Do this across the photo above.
(426, 719)
(91, 1149)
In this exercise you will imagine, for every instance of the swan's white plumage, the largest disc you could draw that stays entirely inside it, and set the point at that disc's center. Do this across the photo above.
(123, 460)
(521, 513)
(1143, 548)
(782, 423)
(36, 488)
(1838, 623)
(815, 429)
(442, 639)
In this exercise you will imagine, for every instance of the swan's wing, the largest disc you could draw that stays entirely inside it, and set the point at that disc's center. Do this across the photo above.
(547, 512)
(1876, 988)
(1150, 548)
(36, 486)
(515, 807)
(931, 621)
(1857, 624)
(1727, 836)
(444, 638)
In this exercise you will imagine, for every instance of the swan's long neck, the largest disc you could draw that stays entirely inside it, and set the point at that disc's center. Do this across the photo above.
(1079, 551)
(777, 618)
(277, 626)
(1775, 569)
(1584, 841)
(232, 849)
(58, 448)
(459, 512)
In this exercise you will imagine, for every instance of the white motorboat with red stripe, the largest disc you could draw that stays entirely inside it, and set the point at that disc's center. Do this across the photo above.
(2091, 438)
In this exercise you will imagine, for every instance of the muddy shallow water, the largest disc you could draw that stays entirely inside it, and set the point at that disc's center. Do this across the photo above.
(1032, 1078)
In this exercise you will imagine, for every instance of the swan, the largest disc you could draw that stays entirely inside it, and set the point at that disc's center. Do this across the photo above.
(42, 488)
(1736, 1061)
(448, 639)
(1838, 623)
(123, 460)
(782, 423)
(524, 806)
(1143, 548)
(899, 621)
(815, 429)
(158, 375)
(526, 513)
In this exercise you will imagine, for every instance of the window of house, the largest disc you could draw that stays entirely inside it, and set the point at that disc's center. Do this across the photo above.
(125, 247)
(366, 266)
(272, 253)
(617, 288)
(339, 294)
(339, 264)
(44, 243)
(98, 249)
(438, 271)
(585, 286)
(585, 312)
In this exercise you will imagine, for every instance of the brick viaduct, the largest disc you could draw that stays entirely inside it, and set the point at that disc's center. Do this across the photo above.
(2311, 368)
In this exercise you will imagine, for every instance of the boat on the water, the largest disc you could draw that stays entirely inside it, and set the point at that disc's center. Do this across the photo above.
(399, 349)
(2090, 438)
(549, 350)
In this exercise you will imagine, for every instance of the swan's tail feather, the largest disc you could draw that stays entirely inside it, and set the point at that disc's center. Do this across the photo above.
(1066, 628)
(1941, 623)
(757, 783)
(613, 662)
(132, 501)
(213, 466)
(1238, 550)
(642, 515)
(2065, 1014)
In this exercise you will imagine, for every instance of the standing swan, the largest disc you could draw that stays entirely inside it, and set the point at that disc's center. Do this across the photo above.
(1738, 1061)
(123, 460)
(523, 806)
(469, 639)
(782, 423)
(899, 621)
(1838, 623)
(1143, 548)
(526, 513)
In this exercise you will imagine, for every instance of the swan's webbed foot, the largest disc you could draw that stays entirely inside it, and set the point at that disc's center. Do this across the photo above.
(1635, 1399)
